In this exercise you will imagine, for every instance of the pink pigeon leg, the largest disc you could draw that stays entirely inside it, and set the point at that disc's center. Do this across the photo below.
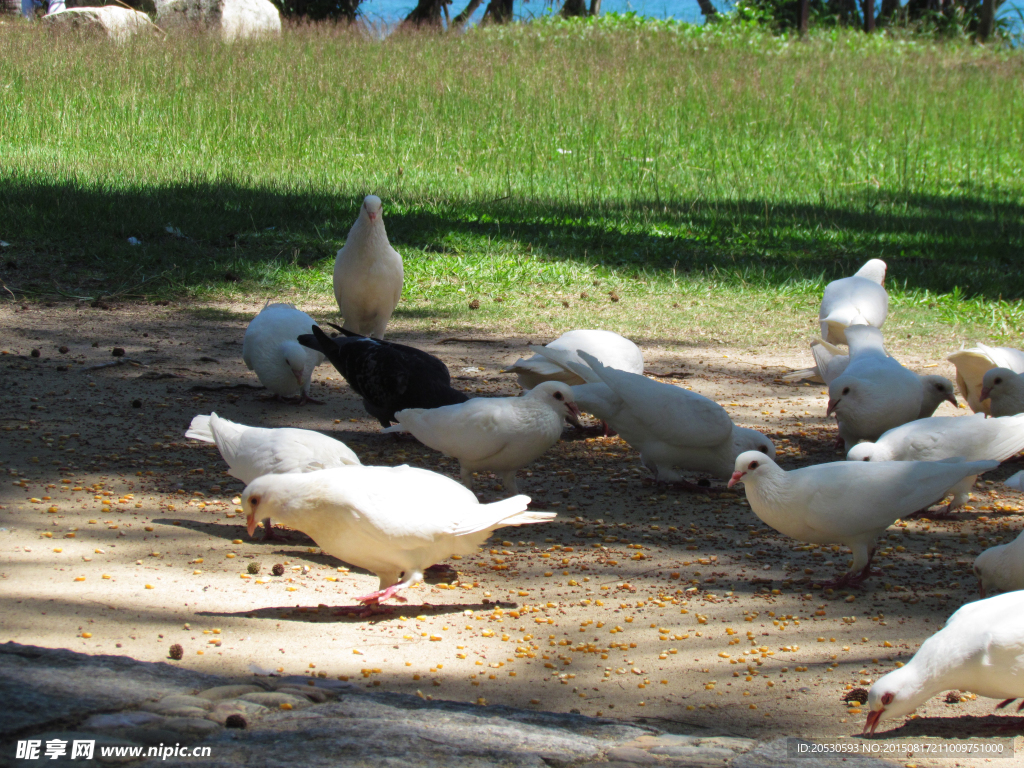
(376, 598)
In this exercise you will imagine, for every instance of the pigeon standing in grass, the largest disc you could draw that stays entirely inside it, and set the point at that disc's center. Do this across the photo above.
(388, 376)
(254, 451)
(971, 365)
(857, 300)
(497, 434)
(846, 502)
(1005, 389)
(981, 649)
(673, 428)
(393, 521)
(550, 363)
(940, 438)
(368, 274)
(270, 349)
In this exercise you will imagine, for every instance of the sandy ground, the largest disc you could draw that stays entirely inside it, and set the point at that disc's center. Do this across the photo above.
(121, 536)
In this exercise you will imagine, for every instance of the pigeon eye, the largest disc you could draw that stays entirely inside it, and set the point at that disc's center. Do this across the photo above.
(846, 390)
(865, 459)
(254, 500)
(558, 395)
(887, 698)
(764, 449)
(752, 465)
(998, 381)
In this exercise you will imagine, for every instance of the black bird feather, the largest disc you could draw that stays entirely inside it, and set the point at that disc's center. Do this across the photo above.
(388, 376)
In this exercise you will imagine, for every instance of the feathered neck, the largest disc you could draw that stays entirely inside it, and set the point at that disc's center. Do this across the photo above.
(366, 232)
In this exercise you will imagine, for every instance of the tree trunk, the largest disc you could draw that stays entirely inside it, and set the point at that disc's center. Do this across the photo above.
(573, 8)
(987, 20)
(869, 16)
(805, 16)
(498, 12)
(844, 9)
(427, 13)
(463, 18)
(707, 8)
(595, 7)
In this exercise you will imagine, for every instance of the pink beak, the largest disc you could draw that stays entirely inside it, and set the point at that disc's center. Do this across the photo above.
(831, 407)
(981, 589)
(573, 409)
(952, 399)
(372, 215)
(985, 392)
(873, 717)
(250, 523)
(736, 477)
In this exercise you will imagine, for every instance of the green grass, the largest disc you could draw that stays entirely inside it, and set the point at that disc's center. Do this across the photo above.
(709, 168)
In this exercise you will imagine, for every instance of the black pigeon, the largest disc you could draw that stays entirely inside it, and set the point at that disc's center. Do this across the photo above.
(388, 376)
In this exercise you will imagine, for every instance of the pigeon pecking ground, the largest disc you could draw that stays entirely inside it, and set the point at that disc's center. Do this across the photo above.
(120, 536)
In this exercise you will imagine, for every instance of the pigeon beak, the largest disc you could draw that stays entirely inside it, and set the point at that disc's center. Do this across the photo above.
(952, 399)
(736, 477)
(981, 589)
(372, 215)
(573, 409)
(831, 407)
(985, 393)
(250, 523)
(873, 717)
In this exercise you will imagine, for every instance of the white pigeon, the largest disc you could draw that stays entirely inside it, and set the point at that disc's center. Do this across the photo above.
(1004, 389)
(939, 438)
(1001, 568)
(368, 274)
(830, 362)
(1015, 481)
(253, 451)
(550, 363)
(981, 649)
(270, 348)
(673, 428)
(846, 502)
(393, 521)
(497, 434)
(857, 300)
(971, 365)
(875, 393)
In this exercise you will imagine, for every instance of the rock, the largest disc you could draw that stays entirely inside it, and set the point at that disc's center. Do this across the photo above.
(274, 699)
(632, 755)
(117, 23)
(310, 693)
(198, 727)
(228, 692)
(121, 720)
(146, 6)
(701, 753)
(775, 754)
(232, 19)
(224, 709)
(54, 685)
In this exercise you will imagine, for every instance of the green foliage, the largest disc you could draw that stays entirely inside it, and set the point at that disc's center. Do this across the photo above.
(523, 161)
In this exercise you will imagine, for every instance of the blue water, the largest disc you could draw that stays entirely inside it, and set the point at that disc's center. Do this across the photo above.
(388, 12)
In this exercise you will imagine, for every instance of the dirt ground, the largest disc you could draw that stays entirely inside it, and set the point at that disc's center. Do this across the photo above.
(120, 536)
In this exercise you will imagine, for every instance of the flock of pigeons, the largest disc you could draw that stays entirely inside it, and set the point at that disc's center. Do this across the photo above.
(398, 521)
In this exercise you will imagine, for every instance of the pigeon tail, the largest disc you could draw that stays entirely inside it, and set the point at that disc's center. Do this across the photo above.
(200, 429)
(510, 511)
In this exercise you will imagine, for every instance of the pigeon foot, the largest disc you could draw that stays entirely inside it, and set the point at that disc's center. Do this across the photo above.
(268, 532)
(379, 596)
(305, 399)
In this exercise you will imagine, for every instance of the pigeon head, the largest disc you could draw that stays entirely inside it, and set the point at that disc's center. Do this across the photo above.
(869, 452)
(842, 393)
(744, 440)
(1001, 382)
(372, 207)
(936, 389)
(262, 499)
(896, 694)
(558, 396)
(751, 465)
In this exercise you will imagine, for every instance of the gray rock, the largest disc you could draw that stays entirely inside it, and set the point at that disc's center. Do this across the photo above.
(694, 753)
(275, 699)
(177, 701)
(632, 755)
(57, 686)
(231, 19)
(774, 754)
(121, 720)
(228, 692)
(248, 709)
(313, 694)
(115, 22)
(734, 743)
(198, 727)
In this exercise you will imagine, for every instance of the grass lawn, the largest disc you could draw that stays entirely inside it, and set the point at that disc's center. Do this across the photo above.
(643, 177)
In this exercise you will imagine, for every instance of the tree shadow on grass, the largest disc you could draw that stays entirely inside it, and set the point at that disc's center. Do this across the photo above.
(74, 238)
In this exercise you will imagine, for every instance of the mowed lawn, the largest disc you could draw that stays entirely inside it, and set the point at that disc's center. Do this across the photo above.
(624, 174)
